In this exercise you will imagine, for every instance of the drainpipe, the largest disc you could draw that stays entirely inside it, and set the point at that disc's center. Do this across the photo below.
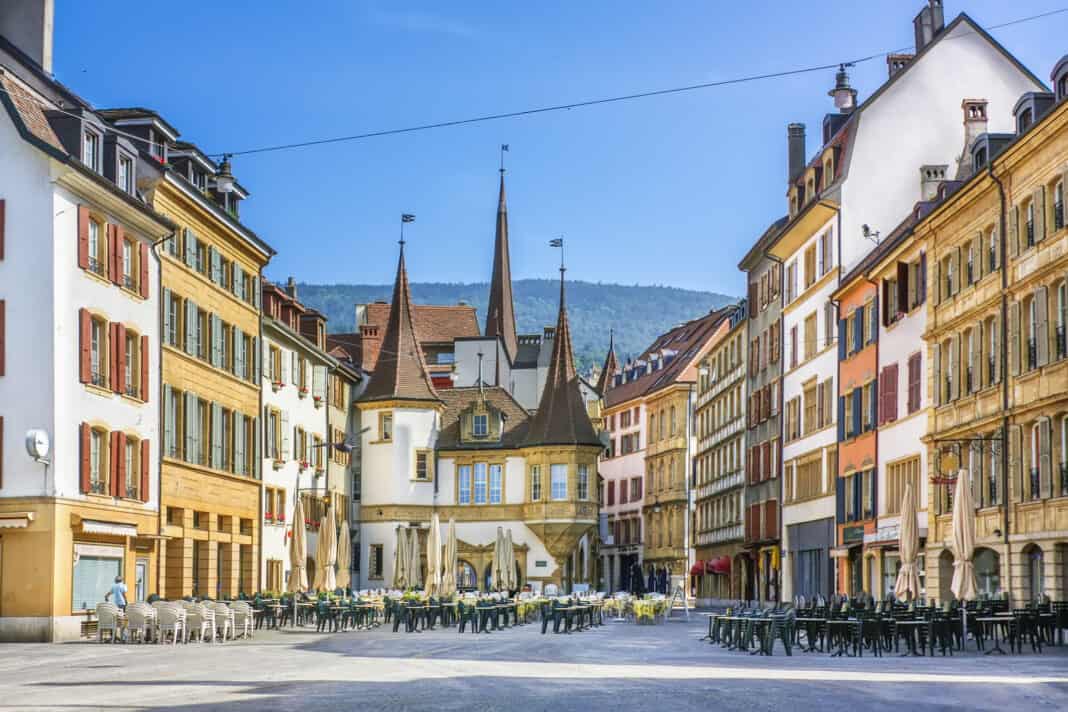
(159, 400)
(257, 465)
(1005, 372)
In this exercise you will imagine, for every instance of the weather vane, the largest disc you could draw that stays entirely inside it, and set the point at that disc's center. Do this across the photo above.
(504, 148)
(405, 218)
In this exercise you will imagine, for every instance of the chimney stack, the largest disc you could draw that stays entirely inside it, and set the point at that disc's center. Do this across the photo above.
(896, 62)
(28, 25)
(931, 176)
(928, 24)
(291, 288)
(974, 126)
(795, 144)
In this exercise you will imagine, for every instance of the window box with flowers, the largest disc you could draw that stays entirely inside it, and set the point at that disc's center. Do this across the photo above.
(280, 518)
(320, 470)
(303, 392)
(276, 386)
(268, 516)
(318, 401)
(304, 465)
(311, 525)
(278, 464)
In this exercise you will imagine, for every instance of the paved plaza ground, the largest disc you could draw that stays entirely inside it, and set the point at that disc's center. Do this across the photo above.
(616, 667)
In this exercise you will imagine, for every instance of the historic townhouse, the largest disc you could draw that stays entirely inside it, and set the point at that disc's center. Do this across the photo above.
(840, 204)
(622, 468)
(996, 335)
(79, 354)
(210, 506)
(297, 444)
(475, 455)
(899, 267)
(722, 568)
(670, 369)
(858, 413)
(342, 476)
(763, 438)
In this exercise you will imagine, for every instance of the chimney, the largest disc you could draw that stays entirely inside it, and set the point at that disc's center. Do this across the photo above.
(795, 145)
(291, 288)
(896, 62)
(931, 177)
(928, 24)
(28, 25)
(974, 126)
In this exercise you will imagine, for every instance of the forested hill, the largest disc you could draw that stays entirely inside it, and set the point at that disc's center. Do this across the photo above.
(638, 314)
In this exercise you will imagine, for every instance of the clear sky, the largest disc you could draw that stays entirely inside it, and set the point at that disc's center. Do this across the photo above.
(671, 190)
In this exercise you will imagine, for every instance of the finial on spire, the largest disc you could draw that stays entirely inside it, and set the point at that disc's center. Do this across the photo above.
(504, 148)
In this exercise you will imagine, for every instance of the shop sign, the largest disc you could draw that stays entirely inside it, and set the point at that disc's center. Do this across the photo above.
(852, 534)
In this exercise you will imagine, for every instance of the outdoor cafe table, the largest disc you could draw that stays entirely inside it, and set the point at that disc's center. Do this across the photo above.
(911, 628)
(811, 627)
(994, 623)
(843, 626)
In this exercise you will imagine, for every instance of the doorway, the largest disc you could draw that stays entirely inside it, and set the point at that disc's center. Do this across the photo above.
(141, 580)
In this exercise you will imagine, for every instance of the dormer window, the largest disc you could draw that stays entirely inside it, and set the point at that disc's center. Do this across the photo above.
(198, 178)
(125, 177)
(91, 149)
(480, 425)
(1024, 121)
(156, 146)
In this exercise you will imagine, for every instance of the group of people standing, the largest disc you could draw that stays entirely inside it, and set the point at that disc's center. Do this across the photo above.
(653, 579)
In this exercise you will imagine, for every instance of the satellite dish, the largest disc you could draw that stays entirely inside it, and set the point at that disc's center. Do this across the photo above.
(37, 444)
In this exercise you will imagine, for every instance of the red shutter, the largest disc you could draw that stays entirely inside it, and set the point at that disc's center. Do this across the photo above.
(144, 271)
(891, 397)
(113, 356)
(771, 519)
(120, 367)
(882, 381)
(144, 369)
(144, 491)
(113, 463)
(1, 229)
(83, 237)
(611, 484)
(85, 452)
(85, 363)
(2, 332)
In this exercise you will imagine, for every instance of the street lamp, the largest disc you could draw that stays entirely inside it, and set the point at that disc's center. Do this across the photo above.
(224, 179)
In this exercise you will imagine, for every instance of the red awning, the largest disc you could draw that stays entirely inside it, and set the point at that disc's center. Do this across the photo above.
(697, 569)
(721, 565)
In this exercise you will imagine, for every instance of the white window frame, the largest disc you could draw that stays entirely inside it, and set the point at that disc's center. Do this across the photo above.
(558, 482)
(496, 484)
(481, 488)
(465, 490)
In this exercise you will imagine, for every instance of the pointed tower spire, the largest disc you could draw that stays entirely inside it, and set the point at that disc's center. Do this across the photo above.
(500, 313)
(400, 373)
(561, 418)
(604, 381)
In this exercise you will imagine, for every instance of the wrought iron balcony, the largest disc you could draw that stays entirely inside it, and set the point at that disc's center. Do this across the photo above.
(97, 378)
(98, 486)
(1064, 479)
(1032, 354)
(131, 492)
(1058, 215)
(1062, 348)
(991, 369)
(129, 282)
(1035, 489)
(968, 380)
(1030, 233)
(992, 259)
(96, 266)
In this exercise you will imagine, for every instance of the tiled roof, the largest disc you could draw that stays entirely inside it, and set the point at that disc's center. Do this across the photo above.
(433, 323)
(457, 400)
(400, 373)
(686, 340)
(500, 313)
(27, 111)
(561, 417)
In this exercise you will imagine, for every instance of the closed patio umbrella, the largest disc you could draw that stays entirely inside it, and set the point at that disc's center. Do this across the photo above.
(319, 575)
(448, 578)
(400, 560)
(344, 556)
(415, 569)
(298, 575)
(963, 585)
(328, 545)
(497, 565)
(433, 557)
(509, 562)
(908, 577)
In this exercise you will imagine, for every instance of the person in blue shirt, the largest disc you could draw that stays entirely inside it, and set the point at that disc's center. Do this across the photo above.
(118, 590)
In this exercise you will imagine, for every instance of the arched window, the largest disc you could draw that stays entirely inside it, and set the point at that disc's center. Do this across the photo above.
(466, 578)
(988, 572)
(1034, 571)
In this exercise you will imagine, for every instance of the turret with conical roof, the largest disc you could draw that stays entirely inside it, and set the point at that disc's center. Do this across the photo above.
(400, 373)
(561, 418)
(604, 381)
(500, 313)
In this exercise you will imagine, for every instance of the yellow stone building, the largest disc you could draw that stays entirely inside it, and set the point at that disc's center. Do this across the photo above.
(996, 338)
(210, 508)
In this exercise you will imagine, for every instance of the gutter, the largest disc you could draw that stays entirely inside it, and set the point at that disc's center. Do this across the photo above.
(779, 409)
(160, 437)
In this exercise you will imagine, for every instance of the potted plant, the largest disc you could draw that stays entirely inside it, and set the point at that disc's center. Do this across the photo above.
(276, 386)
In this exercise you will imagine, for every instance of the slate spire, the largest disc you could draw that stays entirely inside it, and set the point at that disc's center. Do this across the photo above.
(400, 373)
(604, 381)
(500, 313)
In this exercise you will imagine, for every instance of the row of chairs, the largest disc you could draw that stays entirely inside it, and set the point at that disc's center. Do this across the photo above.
(174, 620)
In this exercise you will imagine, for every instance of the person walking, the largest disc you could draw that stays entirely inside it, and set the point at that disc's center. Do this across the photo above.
(118, 591)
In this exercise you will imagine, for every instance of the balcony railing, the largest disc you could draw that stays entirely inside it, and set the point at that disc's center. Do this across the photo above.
(129, 282)
(98, 486)
(991, 369)
(96, 266)
(1035, 490)
(1058, 215)
(971, 273)
(131, 491)
(1032, 354)
(132, 390)
(992, 259)
(968, 380)
(1064, 479)
(1030, 233)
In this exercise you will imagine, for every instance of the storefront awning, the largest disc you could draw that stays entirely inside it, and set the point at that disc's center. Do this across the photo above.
(15, 520)
(697, 569)
(719, 565)
(95, 526)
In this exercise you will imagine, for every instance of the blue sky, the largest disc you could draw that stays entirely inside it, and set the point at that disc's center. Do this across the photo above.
(671, 190)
